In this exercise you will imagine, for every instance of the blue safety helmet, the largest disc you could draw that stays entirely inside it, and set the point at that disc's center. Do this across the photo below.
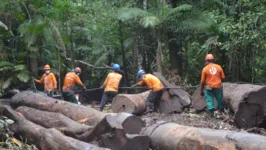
(116, 67)
(140, 72)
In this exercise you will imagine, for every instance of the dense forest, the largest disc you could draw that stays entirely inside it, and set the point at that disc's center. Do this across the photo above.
(168, 36)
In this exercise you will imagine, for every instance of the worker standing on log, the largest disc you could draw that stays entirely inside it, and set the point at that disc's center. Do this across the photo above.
(153, 84)
(211, 78)
(71, 79)
(49, 81)
(111, 85)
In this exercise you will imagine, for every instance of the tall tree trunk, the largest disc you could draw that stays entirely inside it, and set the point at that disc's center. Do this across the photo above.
(123, 53)
(159, 56)
(175, 54)
(135, 54)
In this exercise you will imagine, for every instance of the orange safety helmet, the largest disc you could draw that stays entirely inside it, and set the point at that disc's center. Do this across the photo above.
(78, 69)
(209, 57)
(46, 67)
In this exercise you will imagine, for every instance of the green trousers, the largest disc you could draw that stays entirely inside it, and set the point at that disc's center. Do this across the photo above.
(70, 97)
(210, 93)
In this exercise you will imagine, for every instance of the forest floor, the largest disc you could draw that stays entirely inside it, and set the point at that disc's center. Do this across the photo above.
(187, 118)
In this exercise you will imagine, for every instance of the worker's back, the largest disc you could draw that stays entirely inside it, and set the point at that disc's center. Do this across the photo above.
(213, 74)
(152, 82)
(112, 81)
(70, 80)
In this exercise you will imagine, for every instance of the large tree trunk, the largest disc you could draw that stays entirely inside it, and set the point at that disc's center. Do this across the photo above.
(130, 103)
(173, 99)
(159, 56)
(247, 101)
(136, 103)
(73, 111)
(109, 125)
(44, 139)
(173, 90)
(171, 136)
(53, 120)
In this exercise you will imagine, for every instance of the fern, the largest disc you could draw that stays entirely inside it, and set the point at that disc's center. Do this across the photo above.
(181, 8)
(23, 76)
(150, 21)
(131, 13)
(19, 67)
(7, 83)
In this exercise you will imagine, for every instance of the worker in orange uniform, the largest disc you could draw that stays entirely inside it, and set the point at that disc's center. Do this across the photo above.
(155, 85)
(111, 85)
(211, 78)
(70, 80)
(49, 81)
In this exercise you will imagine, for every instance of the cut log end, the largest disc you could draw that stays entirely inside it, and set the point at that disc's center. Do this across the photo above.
(122, 103)
(130, 103)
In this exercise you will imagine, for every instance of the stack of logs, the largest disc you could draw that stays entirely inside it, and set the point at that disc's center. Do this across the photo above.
(53, 124)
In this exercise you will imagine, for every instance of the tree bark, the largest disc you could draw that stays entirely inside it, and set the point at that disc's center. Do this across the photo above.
(130, 103)
(73, 111)
(159, 56)
(171, 136)
(136, 103)
(123, 52)
(247, 101)
(173, 90)
(53, 120)
(45, 139)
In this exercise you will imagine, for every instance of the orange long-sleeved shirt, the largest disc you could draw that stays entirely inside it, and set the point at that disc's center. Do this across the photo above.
(112, 81)
(212, 76)
(152, 82)
(49, 81)
(70, 80)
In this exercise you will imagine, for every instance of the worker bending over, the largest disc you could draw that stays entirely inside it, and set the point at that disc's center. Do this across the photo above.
(70, 80)
(154, 84)
(49, 81)
(111, 85)
(211, 78)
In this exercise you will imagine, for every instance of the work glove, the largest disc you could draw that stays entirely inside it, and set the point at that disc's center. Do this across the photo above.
(32, 78)
(202, 93)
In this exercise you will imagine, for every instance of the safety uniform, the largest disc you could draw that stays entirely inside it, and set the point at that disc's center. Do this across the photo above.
(111, 85)
(49, 82)
(212, 76)
(70, 80)
(156, 86)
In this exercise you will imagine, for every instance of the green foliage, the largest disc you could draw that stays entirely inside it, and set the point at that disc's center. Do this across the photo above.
(43, 32)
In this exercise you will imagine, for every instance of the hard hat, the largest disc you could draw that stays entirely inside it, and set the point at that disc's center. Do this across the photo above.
(209, 57)
(78, 70)
(140, 72)
(46, 67)
(116, 67)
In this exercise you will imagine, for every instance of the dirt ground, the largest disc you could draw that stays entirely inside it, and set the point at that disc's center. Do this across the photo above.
(200, 120)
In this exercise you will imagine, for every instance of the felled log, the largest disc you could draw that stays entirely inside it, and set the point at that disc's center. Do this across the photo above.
(136, 103)
(111, 124)
(248, 103)
(53, 120)
(119, 132)
(130, 103)
(44, 139)
(173, 90)
(45, 103)
(171, 136)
